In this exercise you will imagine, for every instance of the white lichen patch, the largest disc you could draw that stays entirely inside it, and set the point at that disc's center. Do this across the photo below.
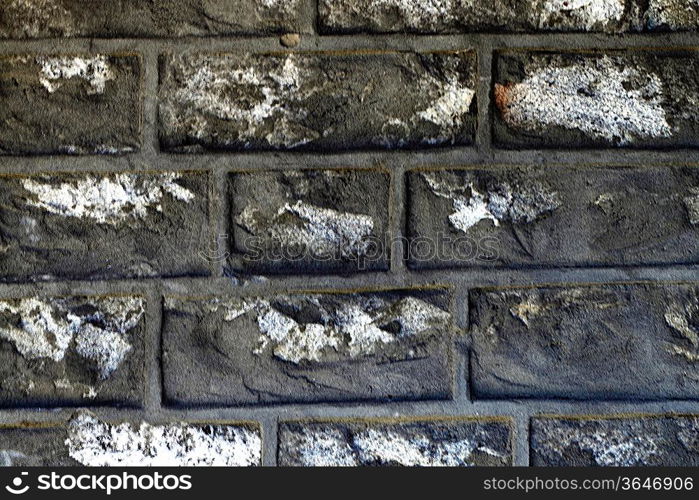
(331, 447)
(684, 320)
(33, 18)
(351, 328)
(322, 232)
(593, 95)
(49, 328)
(584, 14)
(608, 446)
(501, 203)
(110, 199)
(260, 99)
(413, 14)
(691, 202)
(450, 108)
(96, 71)
(94, 443)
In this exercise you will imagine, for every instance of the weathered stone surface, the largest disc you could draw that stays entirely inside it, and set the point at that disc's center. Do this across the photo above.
(70, 104)
(614, 341)
(454, 443)
(672, 15)
(630, 99)
(453, 16)
(71, 351)
(95, 226)
(327, 101)
(310, 221)
(89, 441)
(618, 442)
(553, 216)
(154, 18)
(306, 348)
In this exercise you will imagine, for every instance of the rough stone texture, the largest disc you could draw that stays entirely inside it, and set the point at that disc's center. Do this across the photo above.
(310, 221)
(305, 348)
(430, 443)
(554, 216)
(615, 341)
(453, 16)
(618, 442)
(77, 104)
(71, 351)
(326, 101)
(635, 99)
(89, 441)
(153, 18)
(672, 15)
(91, 226)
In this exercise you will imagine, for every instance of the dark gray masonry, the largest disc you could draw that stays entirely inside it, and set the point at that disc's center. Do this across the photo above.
(310, 220)
(614, 341)
(155, 18)
(322, 101)
(67, 351)
(87, 440)
(90, 226)
(553, 216)
(639, 99)
(307, 348)
(621, 441)
(70, 104)
(428, 443)
(454, 16)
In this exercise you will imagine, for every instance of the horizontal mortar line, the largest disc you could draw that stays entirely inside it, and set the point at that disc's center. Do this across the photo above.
(450, 157)
(380, 409)
(204, 286)
(400, 42)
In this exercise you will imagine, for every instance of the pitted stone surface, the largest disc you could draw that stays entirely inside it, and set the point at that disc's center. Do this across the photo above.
(309, 347)
(155, 18)
(70, 351)
(432, 443)
(89, 441)
(103, 225)
(454, 16)
(675, 15)
(310, 220)
(615, 442)
(614, 341)
(317, 101)
(82, 104)
(554, 216)
(636, 99)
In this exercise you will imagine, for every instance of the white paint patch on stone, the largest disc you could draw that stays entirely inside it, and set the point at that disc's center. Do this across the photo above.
(588, 96)
(692, 204)
(587, 14)
(673, 14)
(46, 329)
(609, 447)
(322, 231)
(414, 14)
(95, 70)
(109, 199)
(330, 447)
(355, 328)
(253, 96)
(94, 443)
(501, 204)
